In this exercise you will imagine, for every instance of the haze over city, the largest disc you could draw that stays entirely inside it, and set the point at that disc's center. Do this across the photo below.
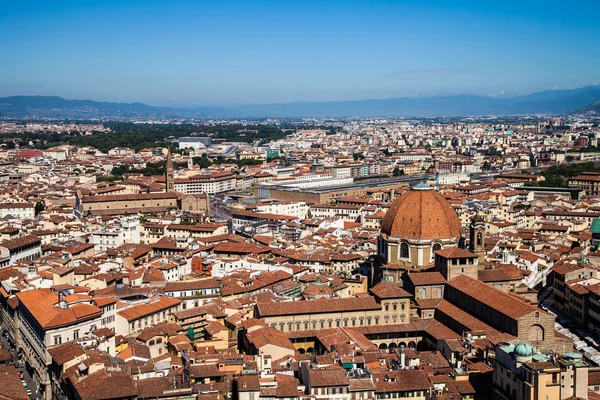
(190, 53)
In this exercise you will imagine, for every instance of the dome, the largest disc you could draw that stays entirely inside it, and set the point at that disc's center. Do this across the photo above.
(421, 213)
(523, 350)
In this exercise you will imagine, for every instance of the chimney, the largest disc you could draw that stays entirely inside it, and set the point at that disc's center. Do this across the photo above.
(402, 358)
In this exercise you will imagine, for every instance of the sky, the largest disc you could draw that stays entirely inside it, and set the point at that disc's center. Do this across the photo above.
(188, 53)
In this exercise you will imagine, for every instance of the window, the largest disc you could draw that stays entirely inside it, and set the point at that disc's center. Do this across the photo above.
(57, 339)
(76, 334)
(404, 250)
(479, 239)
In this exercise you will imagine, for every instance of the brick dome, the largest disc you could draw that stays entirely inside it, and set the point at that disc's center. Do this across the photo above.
(421, 214)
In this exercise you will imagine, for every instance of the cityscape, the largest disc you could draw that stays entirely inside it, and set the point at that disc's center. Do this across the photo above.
(428, 244)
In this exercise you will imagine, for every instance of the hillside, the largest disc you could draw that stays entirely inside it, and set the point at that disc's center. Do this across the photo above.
(593, 108)
(546, 102)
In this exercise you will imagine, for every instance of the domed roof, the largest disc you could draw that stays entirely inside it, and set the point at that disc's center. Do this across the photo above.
(523, 350)
(421, 213)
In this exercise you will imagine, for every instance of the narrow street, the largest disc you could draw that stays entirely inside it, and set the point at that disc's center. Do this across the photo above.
(19, 364)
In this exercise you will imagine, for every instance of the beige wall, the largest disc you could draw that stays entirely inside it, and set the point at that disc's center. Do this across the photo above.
(291, 323)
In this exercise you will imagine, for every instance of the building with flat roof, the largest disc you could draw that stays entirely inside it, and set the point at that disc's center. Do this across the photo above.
(194, 142)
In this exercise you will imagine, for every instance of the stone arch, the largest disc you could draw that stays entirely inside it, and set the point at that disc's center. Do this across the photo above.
(402, 344)
(412, 344)
(310, 350)
(535, 333)
(301, 351)
(393, 345)
(383, 346)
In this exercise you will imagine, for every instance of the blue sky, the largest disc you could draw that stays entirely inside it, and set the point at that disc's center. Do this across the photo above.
(226, 52)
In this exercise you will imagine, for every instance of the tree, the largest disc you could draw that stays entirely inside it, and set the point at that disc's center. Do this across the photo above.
(398, 172)
(39, 207)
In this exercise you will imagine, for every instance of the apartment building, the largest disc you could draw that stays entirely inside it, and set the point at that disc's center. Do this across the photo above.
(388, 305)
(27, 247)
(17, 210)
(217, 182)
(521, 373)
(49, 318)
(137, 317)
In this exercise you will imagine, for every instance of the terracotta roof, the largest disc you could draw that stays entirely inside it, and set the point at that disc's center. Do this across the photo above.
(328, 377)
(143, 310)
(21, 241)
(421, 214)
(455, 252)
(426, 278)
(269, 336)
(43, 306)
(505, 303)
(504, 273)
(129, 197)
(103, 385)
(389, 291)
(198, 284)
(317, 306)
(12, 388)
(401, 381)
(66, 352)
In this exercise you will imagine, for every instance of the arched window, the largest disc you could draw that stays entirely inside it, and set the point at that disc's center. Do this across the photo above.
(479, 238)
(404, 250)
(437, 247)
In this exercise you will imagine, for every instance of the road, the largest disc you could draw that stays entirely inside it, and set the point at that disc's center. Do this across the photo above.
(218, 213)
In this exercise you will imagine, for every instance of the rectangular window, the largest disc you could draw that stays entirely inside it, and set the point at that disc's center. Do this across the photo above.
(76, 334)
(57, 339)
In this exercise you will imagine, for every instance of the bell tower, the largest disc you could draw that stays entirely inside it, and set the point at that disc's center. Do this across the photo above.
(169, 174)
(477, 237)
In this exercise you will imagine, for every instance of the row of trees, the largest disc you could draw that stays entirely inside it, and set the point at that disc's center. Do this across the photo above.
(558, 175)
(143, 136)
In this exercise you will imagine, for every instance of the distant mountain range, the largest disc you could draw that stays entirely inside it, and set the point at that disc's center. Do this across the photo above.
(593, 108)
(547, 102)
